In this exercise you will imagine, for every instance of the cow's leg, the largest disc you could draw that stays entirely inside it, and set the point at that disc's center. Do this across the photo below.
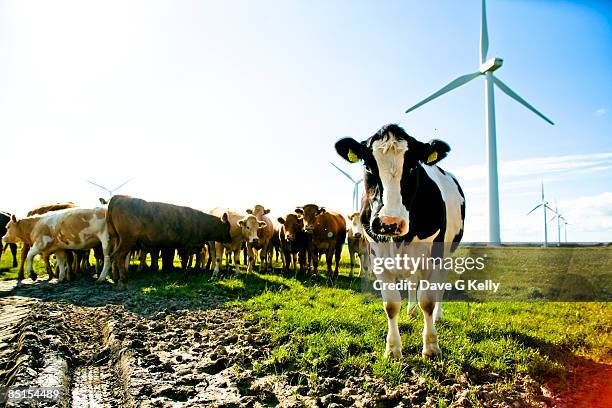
(237, 260)
(329, 258)
(351, 260)
(142, 260)
(314, 256)
(218, 257)
(61, 258)
(394, 341)
(107, 260)
(34, 250)
(430, 335)
(438, 312)
(48, 267)
(122, 264)
(338, 255)
(24, 254)
(13, 248)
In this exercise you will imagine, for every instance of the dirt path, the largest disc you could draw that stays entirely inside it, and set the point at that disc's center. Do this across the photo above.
(103, 350)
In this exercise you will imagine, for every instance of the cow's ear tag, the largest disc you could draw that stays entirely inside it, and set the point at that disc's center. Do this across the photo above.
(330, 234)
(352, 156)
(432, 157)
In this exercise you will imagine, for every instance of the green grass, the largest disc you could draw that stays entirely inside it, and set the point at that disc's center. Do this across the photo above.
(319, 327)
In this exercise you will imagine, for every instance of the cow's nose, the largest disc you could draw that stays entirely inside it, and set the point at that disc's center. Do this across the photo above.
(255, 240)
(388, 225)
(357, 235)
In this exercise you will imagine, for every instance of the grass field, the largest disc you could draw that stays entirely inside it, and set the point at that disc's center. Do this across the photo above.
(318, 326)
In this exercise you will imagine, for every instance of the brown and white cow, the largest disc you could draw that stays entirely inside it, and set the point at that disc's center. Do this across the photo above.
(293, 242)
(263, 243)
(357, 244)
(326, 232)
(243, 229)
(59, 231)
(43, 209)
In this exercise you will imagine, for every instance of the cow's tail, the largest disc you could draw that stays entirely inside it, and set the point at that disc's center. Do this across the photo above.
(113, 235)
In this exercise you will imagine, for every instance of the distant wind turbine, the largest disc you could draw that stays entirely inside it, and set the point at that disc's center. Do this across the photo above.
(110, 192)
(486, 68)
(559, 217)
(355, 188)
(544, 205)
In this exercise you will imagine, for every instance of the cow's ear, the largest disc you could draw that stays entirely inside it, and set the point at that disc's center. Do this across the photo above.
(249, 211)
(434, 151)
(13, 218)
(225, 217)
(321, 210)
(266, 211)
(262, 224)
(299, 210)
(241, 223)
(280, 220)
(351, 150)
(103, 201)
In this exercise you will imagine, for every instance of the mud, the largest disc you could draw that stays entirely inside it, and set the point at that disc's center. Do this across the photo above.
(106, 347)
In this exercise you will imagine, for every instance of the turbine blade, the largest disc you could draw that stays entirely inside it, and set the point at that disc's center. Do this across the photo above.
(535, 208)
(506, 89)
(342, 171)
(484, 34)
(359, 181)
(542, 190)
(462, 80)
(123, 184)
(99, 186)
(547, 206)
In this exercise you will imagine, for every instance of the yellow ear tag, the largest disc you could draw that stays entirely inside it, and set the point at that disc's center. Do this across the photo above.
(352, 156)
(432, 157)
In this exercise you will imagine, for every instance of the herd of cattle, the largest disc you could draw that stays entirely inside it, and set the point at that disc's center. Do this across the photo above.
(126, 226)
(409, 202)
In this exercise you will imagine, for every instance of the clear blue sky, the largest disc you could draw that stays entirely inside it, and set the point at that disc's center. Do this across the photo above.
(232, 103)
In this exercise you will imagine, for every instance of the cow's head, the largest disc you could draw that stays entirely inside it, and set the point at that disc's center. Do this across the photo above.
(225, 233)
(311, 213)
(293, 224)
(258, 211)
(392, 161)
(249, 226)
(355, 227)
(13, 233)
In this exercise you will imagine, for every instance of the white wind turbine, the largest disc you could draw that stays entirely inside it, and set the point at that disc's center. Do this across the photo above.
(355, 188)
(544, 205)
(109, 191)
(559, 217)
(486, 68)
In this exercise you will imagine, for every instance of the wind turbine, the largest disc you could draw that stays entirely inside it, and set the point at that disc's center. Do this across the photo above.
(559, 218)
(565, 224)
(544, 205)
(109, 191)
(355, 188)
(486, 68)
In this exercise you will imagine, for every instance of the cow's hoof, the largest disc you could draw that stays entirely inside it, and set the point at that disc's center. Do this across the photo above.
(394, 353)
(431, 351)
(19, 283)
(99, 281)
(33, 276)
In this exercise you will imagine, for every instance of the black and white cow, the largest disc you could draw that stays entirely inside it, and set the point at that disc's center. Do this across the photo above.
(408, 200)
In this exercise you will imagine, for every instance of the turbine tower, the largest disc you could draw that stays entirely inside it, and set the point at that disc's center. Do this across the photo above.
(109, 191)
(355, 188)
(544, 205)
(486, 68)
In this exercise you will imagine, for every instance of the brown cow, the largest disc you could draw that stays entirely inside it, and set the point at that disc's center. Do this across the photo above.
(293, 242)
(263, 244)
(43, 209)
(134, 223)
(326, 232)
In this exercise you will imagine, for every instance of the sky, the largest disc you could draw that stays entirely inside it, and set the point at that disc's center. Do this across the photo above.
(207, 103)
